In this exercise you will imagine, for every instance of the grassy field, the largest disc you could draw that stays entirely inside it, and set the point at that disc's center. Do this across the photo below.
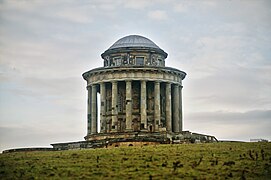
(189, 161)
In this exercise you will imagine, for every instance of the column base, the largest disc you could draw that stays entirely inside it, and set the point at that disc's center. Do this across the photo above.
(113, 131)
(129, 130)
(144, 130)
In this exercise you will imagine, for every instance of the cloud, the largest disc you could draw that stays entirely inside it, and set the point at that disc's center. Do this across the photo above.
(180, 8)
(38, 136)
(61, 11)
(158, 15)
(46, 46)
(137, 4)
(229, 89)
(223, 117)
(231, 125)
(78, 15)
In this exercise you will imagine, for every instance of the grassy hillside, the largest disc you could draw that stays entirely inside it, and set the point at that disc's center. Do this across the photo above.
(191, 161)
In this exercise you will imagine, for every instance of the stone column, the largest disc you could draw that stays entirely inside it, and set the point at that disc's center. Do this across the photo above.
(180, 109)
(176, 114)
(102, 108)
(143, 105)
(168, 108)
(157, 112)
(89, 109)
(94, 109)
(114, 106)
(128, 105)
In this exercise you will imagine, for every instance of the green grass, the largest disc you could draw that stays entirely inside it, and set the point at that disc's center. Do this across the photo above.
(189, 161)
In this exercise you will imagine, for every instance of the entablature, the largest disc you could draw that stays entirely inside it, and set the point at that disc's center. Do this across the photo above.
(165, 74)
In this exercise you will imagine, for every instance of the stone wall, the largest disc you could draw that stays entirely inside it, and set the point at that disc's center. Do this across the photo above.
(28, 150)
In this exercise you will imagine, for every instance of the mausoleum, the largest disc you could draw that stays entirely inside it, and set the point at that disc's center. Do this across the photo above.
(140, 100)
(138, 93)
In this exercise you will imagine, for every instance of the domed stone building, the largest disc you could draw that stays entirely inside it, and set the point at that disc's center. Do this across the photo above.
(138, 93)
(140, 99)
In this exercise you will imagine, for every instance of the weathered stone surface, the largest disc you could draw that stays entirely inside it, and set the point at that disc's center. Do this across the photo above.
(168, 107)
(94, 109)
(105, 140)
(29, 149)
(135, 90)
(140, 99)
(143, 105)
(176, 110)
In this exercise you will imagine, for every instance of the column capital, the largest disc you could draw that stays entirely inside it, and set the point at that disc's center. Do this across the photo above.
(114, 82)
(157, 82)
(94, 86)
(93, 83)
(128, 81)
(176, 85)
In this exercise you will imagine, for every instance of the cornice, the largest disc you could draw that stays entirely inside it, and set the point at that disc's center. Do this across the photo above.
(133, 69)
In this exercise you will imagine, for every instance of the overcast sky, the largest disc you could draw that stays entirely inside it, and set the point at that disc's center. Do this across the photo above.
(45, 46)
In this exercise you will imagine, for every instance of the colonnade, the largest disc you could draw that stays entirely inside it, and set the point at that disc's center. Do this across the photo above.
(173, 107)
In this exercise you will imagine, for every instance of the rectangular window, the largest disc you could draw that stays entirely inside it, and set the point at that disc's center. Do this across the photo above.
(125, 60)
(117, 61)
(159, 62)
(140, 61)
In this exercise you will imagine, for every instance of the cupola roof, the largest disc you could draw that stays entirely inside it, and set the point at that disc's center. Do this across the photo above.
(134, 41)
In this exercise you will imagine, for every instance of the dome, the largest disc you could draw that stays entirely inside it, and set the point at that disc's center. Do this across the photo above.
(134, 41)
(135, 44)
